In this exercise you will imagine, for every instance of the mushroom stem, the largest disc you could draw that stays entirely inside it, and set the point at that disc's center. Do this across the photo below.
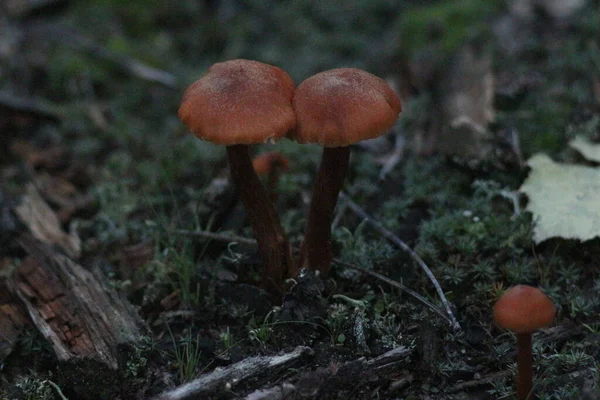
(524, 365)
(271, 240)
(315, 251)
(273, 180)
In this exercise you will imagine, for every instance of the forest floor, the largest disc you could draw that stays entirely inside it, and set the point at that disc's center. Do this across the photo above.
(102, 182)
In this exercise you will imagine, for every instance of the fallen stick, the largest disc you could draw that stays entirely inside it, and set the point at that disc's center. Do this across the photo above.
(73, 39)
(221, 237)
(400, 286)
(398, 242)
(395, 157)
(224, 379)
(320, 383)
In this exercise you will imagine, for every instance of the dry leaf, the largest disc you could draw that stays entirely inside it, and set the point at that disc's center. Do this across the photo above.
(467, 94)
(43, 223)
(590, 151)
(564, 199)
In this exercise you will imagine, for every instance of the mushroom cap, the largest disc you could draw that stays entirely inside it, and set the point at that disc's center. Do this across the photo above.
(342, 106)
(523, 309)
(264, 163)
(239, 102)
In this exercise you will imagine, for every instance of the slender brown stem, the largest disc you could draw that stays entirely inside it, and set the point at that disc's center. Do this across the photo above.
(524, 365)
(273, 180)
(271, 240)
(316, 252)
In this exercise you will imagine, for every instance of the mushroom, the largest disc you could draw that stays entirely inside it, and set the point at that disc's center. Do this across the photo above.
(238, 103)
(524, 309)
(270, 165)
(335, 109)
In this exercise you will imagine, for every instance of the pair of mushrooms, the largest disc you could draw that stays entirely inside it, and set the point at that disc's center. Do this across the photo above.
(242, 102)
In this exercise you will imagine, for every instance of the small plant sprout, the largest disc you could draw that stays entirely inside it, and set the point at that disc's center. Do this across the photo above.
(238, 103)
(524, 309)
(335, 109)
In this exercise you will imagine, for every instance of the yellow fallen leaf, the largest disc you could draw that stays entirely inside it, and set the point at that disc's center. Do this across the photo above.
(564, 199)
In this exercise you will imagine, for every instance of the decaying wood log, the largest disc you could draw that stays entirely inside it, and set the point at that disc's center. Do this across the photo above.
(224, 379)
(13, 319)
(89, 326)
(44, 224)
(79, 314)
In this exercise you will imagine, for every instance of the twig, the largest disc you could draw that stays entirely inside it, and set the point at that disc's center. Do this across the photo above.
(395, 158)
(326, 382)
(133, 66)
(279, 392)
(55, 386)
(75, 40)
(30, 105)
(515, 144)
(400, 286)
(398, 242)
(485, 380)
(226, 378)
(339, 213)
(216, 236)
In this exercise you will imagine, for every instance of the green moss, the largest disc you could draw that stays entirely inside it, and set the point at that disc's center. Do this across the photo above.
(445, 24)
(35, 388)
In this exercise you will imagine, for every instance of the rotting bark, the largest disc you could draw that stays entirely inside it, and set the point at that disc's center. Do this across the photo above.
(88, 325)
(13, 319)
(219, 380)
(78, 313)
(43, 223)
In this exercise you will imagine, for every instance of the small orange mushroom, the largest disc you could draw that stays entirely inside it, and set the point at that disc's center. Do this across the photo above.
(335, 109)
(270, 165)
(265, 163)
(524, 309)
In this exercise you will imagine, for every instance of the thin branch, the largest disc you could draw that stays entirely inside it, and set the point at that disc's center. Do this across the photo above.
(75, 40)
(398, 242)
(221, 237)
(400, 286)
(395, 157)
(216, 382)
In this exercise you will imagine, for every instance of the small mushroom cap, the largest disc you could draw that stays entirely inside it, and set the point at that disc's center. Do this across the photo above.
(264, 163)
(239, 102)
(523, 309)
(343, 106)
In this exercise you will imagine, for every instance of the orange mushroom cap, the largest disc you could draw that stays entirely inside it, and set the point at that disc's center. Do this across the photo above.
(523, 309)
(263, 163)
(343, 106)
(239, 102)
